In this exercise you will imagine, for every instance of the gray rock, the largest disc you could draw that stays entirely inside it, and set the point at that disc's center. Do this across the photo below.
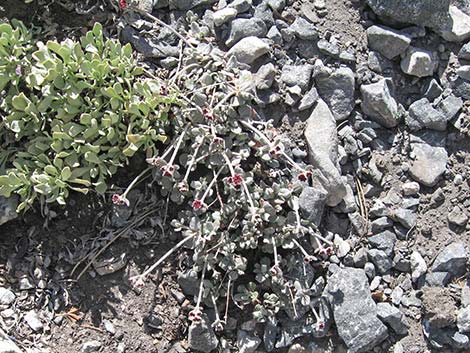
(384, 241)
(322, 141)
(360, 258)
(297, 75)
(393, 317)
(407, 218)
(379, 105)
(453, 259)
(418, 62)
(245, 27)
(378, 63)
(382, 262)
(303, 29)
(224, 15)
(388, 42)
(457, 28)
(411, 300)
(91, 346)
(241, 5)
(309, 99)
(418, 266)
(450, 106)
(423, 115)
(397, 295)
(189, 282)
(464, 72)
(380, 224)
(369, 269)
(354, 311)
(188, 4)
(249, 49)
(150, 48)
(328, 48)
(460, 341)
(265, 76)
(275, 35)
(431, 90)
(429, 13)
(277, 5)
(201, 336)
(7, 297)
(410, 189)
(8, 209)
(264, 13)
(342, 246)
(312, 203)
(7, 345)
(437, 279)
(457, 217)
(429, 164)
(464, 53)
(270, 334)
(463, 320)
(337, 89)
(247, 343)
(33, 321)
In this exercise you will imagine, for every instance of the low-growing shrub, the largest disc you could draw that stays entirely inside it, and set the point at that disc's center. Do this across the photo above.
(237, 187)
(72, 113)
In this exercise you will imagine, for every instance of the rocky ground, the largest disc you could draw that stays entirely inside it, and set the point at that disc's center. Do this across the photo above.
(374, 94)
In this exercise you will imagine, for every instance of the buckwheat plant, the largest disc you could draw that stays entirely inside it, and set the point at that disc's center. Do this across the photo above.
(237, 191)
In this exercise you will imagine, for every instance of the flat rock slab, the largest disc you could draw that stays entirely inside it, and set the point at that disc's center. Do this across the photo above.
(354, 311)
(322, 140)
(429, 13)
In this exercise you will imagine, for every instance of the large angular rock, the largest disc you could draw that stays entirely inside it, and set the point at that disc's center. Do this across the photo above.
(392, 317)
(354, 311)
(322, 140)
(303, 29)
(418, 62)
(379, 105)
(8, 209)
(245, 27)
(429, 13)
(297, 75)
(388, 42)
(457, 28)
(453, 258)
(422, 115)
(249, 49)
(201, 336)
(384, 241)
(431, 157)
(337, 89)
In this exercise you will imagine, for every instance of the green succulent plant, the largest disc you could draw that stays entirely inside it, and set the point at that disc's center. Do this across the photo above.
(73, 113)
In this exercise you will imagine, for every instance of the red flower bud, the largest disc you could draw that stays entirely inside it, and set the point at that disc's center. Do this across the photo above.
(122, 4)
(302, 177)
(197, 205)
